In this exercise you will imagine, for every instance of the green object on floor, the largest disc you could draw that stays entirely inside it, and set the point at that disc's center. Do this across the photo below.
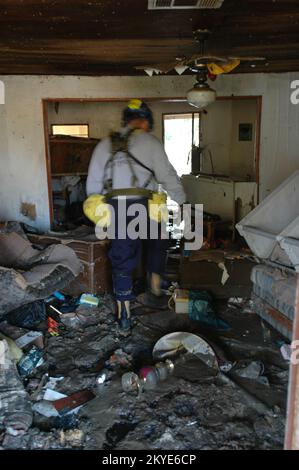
(202, 310)
(89, 300)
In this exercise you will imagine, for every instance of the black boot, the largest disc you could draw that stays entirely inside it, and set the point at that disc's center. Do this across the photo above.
(124, 320)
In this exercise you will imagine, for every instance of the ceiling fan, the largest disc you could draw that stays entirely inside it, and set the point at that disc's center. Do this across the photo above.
(204, 65)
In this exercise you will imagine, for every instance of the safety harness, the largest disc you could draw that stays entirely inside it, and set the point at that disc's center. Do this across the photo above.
(120, 143)
(156, 200)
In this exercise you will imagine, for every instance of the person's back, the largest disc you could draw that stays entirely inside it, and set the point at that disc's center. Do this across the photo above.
(131, 165)
(148, 153)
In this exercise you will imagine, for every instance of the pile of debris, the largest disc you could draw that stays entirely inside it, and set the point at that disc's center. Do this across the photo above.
(74, 396)
(70, 378)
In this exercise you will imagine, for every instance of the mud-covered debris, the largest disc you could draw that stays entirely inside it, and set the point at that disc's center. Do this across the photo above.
(71, 438)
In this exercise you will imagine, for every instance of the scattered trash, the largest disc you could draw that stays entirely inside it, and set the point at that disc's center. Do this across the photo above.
(45, 408)
(15, 352)
(181, 299)
(72, 438)
(61, 303)
(263, 380)
(89, 300)
(29, 275)
(59, 296)
(103, 379)
(29, 362)
(180, 342)
(15, 407)
(166, 438)
(29, 315)
(57, 404)
(199, 306)
(21, 336)
(226, 367)
(286, 352)
(244, 304)
(35, 337)
(119, 360)
(187, 410)
(130, 382)
(236, 302)
(201, 309)
(52, 327)
(100, 381)
(266, 331)
(254, 371)
(65, 422)
(248, 307)
(55, 310)
(52, 395)
(65, 404)
(73, 320)
(53, 381)
(148, 378)
(225, 275)
(191, 423)
(38, 388)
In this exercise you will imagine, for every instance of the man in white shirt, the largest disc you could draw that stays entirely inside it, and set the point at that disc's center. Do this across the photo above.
(131, 165)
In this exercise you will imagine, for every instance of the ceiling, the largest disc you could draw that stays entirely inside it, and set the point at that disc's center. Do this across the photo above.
(110, 37)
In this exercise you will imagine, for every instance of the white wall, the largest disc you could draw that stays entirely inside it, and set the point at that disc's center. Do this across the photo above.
(220, 130)
(22, 149)
(217, 132)
(242, 153)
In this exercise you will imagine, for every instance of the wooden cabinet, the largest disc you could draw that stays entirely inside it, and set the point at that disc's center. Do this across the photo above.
(95, 276)
(70, 155)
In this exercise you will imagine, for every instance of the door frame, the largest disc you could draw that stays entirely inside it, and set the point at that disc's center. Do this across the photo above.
(46, 101)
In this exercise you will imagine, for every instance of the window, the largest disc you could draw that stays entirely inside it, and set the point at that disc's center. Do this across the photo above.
(73, 130)
(181, 131)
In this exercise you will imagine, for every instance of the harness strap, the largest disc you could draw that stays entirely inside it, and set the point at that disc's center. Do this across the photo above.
(120, 144)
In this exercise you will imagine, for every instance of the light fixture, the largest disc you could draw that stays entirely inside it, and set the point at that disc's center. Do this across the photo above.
(201, 95)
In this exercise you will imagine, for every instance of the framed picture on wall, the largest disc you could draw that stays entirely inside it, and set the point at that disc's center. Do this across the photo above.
(245, 132)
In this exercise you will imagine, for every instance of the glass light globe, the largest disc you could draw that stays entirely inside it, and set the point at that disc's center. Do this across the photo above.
(201, 96)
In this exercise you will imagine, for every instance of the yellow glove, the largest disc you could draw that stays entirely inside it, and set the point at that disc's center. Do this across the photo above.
(157, 207)
(96, 210)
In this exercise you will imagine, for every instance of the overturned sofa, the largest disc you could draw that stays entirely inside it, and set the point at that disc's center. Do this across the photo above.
(272, 232)
(28, 274)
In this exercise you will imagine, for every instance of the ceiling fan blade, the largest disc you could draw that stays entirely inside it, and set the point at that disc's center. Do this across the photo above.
(206, 58)
(218, 68)
(163, 68)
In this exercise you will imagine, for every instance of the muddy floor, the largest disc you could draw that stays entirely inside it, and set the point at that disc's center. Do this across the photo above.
(192, 409)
